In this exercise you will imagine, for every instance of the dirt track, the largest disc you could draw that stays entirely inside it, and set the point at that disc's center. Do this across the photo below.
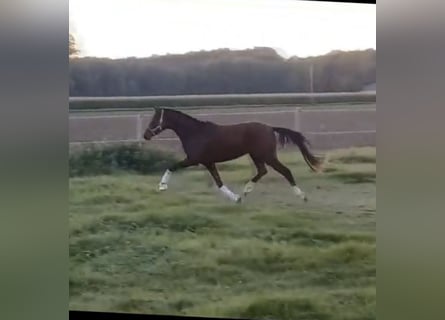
(326, 128)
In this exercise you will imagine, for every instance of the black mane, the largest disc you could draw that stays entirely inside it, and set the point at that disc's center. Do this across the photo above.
(188, 116)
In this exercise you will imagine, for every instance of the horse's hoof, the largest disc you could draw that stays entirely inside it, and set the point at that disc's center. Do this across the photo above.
(305, 199)
(163, 187)
(238, 200)
(248, 188)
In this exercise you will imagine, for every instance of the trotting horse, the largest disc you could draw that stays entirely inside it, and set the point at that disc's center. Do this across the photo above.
(206, 143)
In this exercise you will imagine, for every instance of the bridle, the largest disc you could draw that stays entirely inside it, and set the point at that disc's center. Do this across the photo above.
(156, 130)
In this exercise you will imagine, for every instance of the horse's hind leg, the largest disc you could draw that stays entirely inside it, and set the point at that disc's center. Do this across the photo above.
(261, 171)
(226, 191)
(284, 171)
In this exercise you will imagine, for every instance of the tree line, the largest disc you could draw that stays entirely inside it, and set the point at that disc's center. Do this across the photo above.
(223, 71)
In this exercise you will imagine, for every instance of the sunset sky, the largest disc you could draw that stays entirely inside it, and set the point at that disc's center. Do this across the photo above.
(141, 28)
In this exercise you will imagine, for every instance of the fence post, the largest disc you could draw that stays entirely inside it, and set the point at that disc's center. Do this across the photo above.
(139, 129)
(297, 119)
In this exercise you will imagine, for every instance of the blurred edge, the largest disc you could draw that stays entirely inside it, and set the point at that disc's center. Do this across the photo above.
(34, 99)
(410, 156)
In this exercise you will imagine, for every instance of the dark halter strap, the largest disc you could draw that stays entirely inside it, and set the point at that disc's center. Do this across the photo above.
(156, 130)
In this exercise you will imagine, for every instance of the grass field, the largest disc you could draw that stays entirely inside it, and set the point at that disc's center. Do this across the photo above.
(188, 251)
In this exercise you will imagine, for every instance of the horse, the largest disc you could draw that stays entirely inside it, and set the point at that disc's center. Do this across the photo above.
(206, 143)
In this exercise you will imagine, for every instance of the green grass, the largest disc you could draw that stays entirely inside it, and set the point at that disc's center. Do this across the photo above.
(189, 251)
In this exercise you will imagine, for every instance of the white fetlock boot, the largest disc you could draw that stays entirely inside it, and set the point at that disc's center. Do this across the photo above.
(163, 185)
(299, 193)
(229, 194)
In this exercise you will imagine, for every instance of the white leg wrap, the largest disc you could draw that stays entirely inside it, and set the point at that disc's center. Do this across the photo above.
(229, 194)
(163, 185)
(298, 192)
(166, 177)
(249, 187)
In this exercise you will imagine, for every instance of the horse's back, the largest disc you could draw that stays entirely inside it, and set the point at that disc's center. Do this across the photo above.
(253, 137)
(247, 126)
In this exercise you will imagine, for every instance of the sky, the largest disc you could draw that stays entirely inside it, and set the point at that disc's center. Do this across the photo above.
(142, 28)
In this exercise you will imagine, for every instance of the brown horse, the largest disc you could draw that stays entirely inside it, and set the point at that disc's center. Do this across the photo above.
(206, 143)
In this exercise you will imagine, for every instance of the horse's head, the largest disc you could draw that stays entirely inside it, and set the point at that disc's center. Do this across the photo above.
(181, 123)
(156, 125)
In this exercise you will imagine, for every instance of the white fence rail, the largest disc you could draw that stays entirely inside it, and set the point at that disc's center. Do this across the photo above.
(325, 128)
(82, 104)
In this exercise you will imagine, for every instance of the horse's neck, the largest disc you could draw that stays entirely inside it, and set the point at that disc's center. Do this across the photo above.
(185, 127)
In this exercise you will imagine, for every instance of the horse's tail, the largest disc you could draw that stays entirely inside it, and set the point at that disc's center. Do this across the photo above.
(286, 135)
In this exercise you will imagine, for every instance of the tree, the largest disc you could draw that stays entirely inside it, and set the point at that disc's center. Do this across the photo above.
(222, 71)
(73, 50)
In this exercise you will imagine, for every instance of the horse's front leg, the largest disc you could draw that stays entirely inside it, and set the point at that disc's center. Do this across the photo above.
(163, 185)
